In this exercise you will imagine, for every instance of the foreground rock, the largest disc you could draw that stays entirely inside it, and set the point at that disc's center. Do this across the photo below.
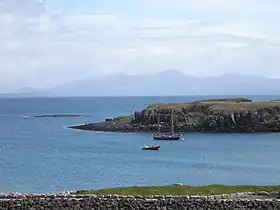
(219, 115)
(139, 202)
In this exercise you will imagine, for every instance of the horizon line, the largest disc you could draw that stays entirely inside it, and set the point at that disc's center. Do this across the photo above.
(131, 96)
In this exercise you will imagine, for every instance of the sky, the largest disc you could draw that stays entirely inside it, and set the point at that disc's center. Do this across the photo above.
(44, 43)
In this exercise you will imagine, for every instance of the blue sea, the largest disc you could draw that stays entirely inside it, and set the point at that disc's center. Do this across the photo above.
(40, 155)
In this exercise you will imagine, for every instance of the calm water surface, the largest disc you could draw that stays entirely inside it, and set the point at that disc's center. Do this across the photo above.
(41, 155)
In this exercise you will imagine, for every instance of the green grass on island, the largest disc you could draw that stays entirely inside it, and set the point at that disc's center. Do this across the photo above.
(232, 100)
(180, 190)
(218, 103)
(276, 100)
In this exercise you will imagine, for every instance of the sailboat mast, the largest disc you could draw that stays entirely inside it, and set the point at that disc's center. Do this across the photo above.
(158, 121)
(172, 122)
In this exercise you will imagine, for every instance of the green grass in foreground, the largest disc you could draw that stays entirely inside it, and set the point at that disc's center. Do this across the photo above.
(180, 190)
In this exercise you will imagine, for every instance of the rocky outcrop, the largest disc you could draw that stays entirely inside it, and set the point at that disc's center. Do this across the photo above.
(199, 116)
(237, 201)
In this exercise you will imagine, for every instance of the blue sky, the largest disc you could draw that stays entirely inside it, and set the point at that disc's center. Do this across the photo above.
(45, 44)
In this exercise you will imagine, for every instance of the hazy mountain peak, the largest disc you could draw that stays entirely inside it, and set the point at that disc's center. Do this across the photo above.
(166, 82)
(232, 75)
(172, 72)
(26, 90)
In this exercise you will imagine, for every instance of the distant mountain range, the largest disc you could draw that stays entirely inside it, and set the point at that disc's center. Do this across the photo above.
(169, 82)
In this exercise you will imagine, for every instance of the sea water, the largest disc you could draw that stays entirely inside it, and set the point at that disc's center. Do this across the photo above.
(40, 155)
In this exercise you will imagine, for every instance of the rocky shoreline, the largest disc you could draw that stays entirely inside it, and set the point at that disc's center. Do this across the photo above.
(220, 115)
(249, 200)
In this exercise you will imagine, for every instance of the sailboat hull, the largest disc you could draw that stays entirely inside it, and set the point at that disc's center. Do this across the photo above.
(170, 137)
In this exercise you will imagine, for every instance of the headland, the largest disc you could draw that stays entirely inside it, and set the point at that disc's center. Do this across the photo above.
(236, 115)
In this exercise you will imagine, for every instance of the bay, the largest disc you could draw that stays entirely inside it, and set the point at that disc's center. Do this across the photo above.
(40, 155)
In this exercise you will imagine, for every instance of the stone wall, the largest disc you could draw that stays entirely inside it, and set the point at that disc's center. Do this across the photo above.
(114, 202)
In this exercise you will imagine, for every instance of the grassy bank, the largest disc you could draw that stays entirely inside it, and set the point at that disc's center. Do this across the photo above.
(181, 190)
(218, 104)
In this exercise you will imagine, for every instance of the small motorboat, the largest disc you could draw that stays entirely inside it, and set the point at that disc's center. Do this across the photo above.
(152, 147)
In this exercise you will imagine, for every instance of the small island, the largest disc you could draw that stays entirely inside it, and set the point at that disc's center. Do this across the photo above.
(214, 115)
(59, 115)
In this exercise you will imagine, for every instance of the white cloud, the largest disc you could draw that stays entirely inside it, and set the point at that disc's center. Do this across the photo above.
(155, 24)
(224, 5)
(75, 45)
(237, 6)
(22, 8)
